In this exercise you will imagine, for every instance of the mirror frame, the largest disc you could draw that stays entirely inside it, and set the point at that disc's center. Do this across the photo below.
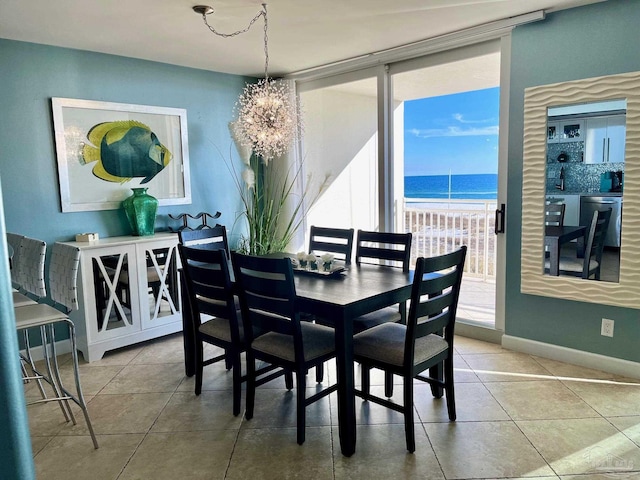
(537, 100)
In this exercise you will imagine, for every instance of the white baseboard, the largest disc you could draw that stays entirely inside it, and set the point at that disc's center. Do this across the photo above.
(479, 332)
(596, 361)
(63, 346)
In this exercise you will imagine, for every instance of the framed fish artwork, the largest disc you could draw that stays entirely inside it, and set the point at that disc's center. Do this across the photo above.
(105, 149)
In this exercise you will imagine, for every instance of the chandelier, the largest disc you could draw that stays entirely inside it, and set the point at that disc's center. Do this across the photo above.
(267, 115)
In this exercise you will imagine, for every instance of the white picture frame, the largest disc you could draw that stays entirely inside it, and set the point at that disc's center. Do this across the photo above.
(82, 185)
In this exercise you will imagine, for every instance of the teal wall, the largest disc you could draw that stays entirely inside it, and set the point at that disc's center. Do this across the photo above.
(31, 74)
(590, 41)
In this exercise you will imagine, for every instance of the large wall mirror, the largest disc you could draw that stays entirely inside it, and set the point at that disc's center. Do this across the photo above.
(582, 151)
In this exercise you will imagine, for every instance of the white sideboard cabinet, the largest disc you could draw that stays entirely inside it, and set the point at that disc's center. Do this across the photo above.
(128, 290)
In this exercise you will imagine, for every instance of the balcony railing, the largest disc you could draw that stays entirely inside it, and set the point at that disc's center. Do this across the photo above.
(441, 225)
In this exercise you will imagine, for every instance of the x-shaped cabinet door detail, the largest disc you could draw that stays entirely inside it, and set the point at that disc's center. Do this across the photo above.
(113, 293)
(162, 281)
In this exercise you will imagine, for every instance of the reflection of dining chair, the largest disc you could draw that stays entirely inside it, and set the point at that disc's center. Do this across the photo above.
(63, 273)
(268, 299)
(592, 261)
(212, 238)
(554, 214)
(210, 294)
(332, 240)
(425, 342)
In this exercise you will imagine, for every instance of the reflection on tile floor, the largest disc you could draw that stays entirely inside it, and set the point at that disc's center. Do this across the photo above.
(519, 416)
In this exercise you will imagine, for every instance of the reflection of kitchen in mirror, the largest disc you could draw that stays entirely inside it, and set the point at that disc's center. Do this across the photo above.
(584, 176)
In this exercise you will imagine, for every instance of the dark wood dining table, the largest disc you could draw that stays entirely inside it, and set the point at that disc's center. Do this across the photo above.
(342, 297)
(555, 236)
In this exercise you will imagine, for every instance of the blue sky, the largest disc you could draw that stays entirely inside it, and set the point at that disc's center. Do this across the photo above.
(452, 132)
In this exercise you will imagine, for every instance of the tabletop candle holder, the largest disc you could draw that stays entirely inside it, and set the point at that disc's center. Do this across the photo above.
(302, 259)
(313, 262)
(327, 260)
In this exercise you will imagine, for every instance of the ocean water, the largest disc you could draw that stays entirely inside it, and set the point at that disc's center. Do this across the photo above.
(466, 187)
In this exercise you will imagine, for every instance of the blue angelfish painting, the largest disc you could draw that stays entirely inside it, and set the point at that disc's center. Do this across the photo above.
(123, 150)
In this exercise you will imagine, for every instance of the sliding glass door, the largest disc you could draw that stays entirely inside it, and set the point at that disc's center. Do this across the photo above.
(446, 139)
(414, 146)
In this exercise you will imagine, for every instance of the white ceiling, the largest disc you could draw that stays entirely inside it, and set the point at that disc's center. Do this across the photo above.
(302, 33)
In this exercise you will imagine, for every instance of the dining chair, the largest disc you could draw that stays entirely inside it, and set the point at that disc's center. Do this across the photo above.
(332, 240)
(554, 214)
(214, 238)
(392, 250)
(425, 342)
(338, 241)
(63, 273)
(591, 263)
(210, 293)
(269, 305)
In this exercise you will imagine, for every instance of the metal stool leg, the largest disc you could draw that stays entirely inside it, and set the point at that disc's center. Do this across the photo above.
(55, 377)
(80, 400)
(27, 358)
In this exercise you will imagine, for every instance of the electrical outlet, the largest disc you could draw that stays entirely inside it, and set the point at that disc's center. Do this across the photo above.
(607, 328)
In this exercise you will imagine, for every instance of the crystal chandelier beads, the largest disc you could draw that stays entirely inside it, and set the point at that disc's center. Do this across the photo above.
(267, 118)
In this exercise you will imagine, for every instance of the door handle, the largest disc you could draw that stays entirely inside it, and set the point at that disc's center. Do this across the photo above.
(498, 226)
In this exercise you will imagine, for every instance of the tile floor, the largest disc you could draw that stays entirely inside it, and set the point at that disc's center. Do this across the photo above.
(519, 416)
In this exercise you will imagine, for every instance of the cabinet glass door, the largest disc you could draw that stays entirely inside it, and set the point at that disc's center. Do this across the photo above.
(112, 289)
(571, 131)
(162, 292)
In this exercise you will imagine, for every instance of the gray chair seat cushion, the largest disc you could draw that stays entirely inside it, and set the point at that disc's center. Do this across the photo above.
(317, 341)
(219, 328)
(385, 343)
(370, 320)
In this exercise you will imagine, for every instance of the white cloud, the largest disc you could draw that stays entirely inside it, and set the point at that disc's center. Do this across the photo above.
(454, 132)
(460, 118)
